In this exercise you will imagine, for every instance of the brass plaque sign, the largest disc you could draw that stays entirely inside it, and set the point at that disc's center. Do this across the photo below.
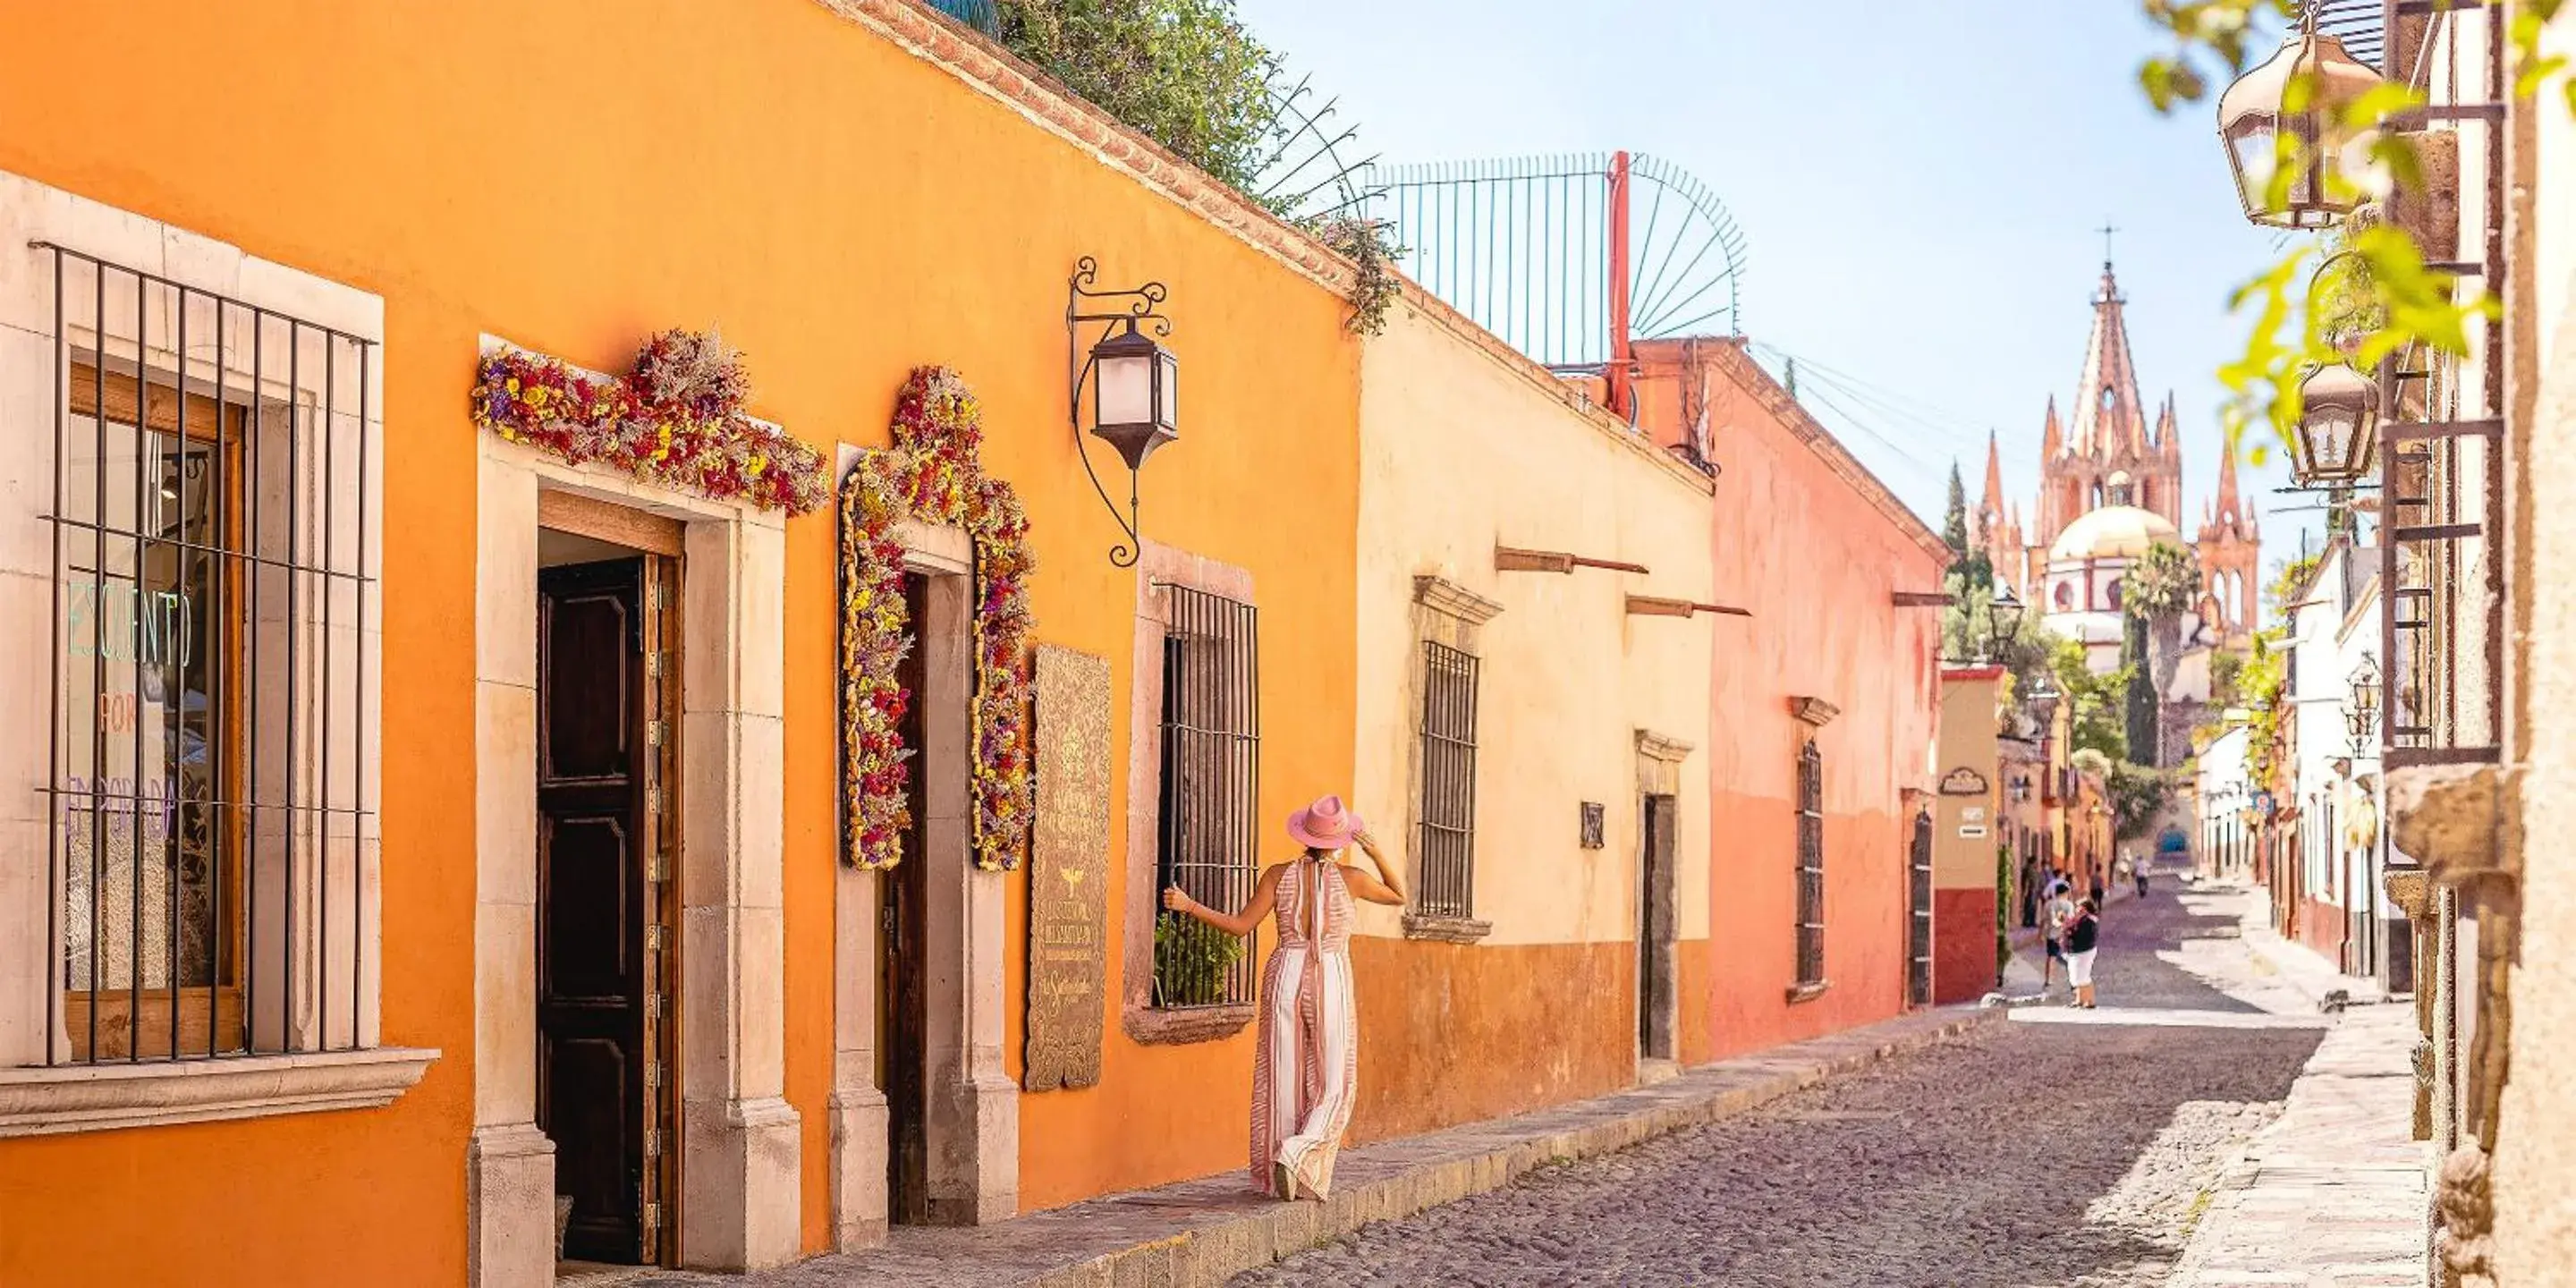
(1068, 870)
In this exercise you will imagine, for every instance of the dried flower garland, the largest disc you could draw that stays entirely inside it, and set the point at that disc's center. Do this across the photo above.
(676, 420)
(933, 474)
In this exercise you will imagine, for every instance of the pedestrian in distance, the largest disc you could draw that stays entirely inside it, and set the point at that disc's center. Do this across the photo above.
(1306, 1055)
(2083, 938)
(2138, 869)
(2061, 910)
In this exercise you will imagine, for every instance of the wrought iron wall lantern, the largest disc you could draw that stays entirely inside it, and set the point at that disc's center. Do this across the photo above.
(1135, 385)
(2336, 440)
(2361, 714)
(2283, 113)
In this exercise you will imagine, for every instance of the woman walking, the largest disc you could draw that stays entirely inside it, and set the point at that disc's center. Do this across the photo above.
(2083, 936)
(2060, 911)
(1305, 1063)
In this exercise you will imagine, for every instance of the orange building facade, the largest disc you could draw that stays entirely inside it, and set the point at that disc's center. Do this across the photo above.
(504, 857)
(849, 191)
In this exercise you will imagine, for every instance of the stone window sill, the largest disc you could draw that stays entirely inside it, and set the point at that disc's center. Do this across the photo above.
(107, 1097)
(1157, 1027)
(1452, 930)
(1808, 992)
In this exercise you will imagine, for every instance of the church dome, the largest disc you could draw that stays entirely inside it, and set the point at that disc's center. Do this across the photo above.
(2113, 532)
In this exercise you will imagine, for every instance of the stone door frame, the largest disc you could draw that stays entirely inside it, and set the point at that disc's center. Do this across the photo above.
(738, 1204)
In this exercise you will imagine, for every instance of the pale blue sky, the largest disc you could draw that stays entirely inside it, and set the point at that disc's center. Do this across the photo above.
(1920, 181)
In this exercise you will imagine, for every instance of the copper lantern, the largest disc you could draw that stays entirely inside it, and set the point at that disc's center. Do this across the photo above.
(2335, 442)
(2283, 113)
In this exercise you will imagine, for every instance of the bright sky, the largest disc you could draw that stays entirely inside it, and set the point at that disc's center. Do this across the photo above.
(1920, 180)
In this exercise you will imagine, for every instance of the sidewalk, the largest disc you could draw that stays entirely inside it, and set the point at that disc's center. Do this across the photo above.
(1203, 1232)
(2335, 1192)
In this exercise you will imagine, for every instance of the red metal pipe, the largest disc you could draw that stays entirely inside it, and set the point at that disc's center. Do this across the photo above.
(1623, 400)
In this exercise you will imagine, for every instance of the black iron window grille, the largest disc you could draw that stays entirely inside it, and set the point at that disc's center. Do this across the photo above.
(1811, 866)
(1594, 831)
(1208, 835)
(213, 813)
(1447, 806)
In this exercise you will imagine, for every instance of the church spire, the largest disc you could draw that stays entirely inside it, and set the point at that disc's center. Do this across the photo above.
(2052, 440)
(1993, 503)
(2229, 511)
(2109, 422)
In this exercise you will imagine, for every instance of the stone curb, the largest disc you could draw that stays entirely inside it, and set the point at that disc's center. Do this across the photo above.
(1421, 1172)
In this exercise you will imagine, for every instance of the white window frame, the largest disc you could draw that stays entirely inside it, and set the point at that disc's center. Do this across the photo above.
(41, 1098)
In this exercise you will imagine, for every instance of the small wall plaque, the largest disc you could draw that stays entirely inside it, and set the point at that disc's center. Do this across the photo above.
(1596, 825)
(1963, 781)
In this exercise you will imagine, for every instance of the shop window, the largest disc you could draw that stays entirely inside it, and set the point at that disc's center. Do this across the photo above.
(1811, 866)
(212, 737)
(1207, 789)
(1446, 804)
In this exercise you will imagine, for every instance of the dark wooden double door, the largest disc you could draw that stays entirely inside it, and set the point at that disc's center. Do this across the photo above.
(604, 690)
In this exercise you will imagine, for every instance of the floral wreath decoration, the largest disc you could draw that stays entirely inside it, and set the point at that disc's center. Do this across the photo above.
(676, 419)
(933, 474)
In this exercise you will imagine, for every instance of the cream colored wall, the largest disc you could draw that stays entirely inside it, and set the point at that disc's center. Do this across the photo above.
(1462, 449)
(1967, 742)
(2535, 1206)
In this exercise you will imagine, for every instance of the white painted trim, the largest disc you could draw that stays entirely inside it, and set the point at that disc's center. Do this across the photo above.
(104, 1097)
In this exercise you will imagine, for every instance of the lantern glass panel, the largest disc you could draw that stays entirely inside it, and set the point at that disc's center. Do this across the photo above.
(1167, 386)
(1125, 385)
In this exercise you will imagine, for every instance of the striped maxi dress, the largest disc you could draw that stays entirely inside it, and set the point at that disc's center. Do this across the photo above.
(1306, 1058)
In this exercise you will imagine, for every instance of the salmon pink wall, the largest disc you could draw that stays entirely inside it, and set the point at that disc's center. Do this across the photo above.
(1808, 543)
(571, 176)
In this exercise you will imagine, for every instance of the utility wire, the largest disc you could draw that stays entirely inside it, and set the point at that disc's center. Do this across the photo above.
(1939, 420)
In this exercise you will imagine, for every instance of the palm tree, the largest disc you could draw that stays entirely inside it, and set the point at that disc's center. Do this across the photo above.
(2158, 590)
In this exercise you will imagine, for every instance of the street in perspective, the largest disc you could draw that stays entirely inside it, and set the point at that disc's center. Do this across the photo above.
(1181, 643)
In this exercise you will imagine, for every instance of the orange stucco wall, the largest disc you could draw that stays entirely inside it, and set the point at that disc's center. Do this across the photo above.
(1810, 552)
(572, 176)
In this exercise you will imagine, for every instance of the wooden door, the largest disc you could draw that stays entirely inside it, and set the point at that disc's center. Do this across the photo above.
(1918, 979)
(1655, 933)
(903, 1006)
(595, 1075)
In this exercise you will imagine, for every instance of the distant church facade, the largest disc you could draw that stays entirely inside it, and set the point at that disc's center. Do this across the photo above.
(2111, 487)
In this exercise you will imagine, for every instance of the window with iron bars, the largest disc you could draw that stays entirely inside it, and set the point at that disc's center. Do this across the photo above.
(1811, 866)
(212, 675)
(1208, 836)
(1446, 808)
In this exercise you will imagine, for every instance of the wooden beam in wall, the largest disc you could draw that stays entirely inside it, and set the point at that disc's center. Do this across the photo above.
(621, 525)
(1512, 559)
(1654, 606)
(1921, 599)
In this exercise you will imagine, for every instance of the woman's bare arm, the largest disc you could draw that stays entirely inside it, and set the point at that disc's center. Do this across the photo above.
(1264, 897)
(1383, 886)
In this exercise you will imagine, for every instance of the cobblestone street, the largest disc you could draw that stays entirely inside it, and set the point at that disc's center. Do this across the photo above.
(2067, 1149)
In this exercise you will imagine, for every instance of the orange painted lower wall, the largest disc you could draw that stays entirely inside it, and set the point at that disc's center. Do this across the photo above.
(1691, 967)
(1453, 1033)
(1963, 943)
(370, 1196)
(1753, 926)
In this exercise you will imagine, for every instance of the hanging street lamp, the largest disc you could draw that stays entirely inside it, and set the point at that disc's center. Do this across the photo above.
(2361, 714)
(2336, 440)
(2278, 123)
(1135, 387)
(2003, 619)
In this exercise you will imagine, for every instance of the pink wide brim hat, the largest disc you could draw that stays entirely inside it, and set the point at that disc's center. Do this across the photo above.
(1325, 825)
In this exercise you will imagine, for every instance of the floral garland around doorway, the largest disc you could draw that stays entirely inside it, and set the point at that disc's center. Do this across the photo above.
(677, 419)
(933, 474)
